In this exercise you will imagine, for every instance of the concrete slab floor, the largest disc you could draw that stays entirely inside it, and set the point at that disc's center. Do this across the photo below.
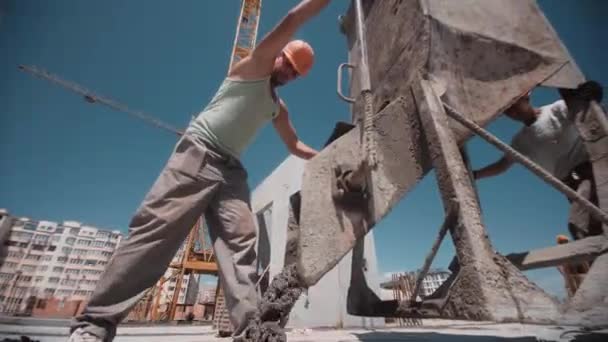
(430, 330)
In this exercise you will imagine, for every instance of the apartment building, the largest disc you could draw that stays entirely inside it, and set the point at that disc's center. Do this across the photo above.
(205, 307)
(43, 260)
(206, 294)
(51, 269)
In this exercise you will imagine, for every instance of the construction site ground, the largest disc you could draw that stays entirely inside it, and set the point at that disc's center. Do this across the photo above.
(429, 330)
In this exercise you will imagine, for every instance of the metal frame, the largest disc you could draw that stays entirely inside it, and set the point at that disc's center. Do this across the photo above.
(487, 286)
(458, 191)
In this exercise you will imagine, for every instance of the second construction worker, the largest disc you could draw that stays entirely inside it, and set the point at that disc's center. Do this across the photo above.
(550, 138)
(204, 175)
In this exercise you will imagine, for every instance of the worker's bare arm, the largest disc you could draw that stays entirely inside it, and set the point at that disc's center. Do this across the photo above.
(286, 131)
(261, 60)
(493, 169)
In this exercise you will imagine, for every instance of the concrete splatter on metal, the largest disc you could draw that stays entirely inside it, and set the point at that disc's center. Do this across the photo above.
(482, 55)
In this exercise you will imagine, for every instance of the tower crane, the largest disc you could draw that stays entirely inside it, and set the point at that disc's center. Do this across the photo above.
(244, 42)
(91, 97)
(196, 261)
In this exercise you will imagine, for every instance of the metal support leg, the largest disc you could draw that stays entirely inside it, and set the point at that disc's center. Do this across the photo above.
(488, 287)
(448, 224)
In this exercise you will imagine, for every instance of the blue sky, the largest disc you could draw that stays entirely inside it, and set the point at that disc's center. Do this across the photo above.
(64, 159)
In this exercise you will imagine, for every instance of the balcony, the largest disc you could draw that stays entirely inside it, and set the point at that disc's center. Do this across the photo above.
(20, 237)
(87, 286)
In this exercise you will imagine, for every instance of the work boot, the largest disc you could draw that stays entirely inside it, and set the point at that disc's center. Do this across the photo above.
(80, 335)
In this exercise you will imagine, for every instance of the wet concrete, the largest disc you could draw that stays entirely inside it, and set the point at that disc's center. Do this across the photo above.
(274, 308)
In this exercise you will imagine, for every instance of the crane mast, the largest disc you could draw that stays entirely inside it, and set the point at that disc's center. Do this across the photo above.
(246, 30)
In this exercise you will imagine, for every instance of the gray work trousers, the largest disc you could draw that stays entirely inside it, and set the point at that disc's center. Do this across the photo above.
(580, 221)
(196, 180)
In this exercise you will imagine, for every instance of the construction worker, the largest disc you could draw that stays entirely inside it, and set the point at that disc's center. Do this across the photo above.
(550, 139)
(204, 175)
(573, 273)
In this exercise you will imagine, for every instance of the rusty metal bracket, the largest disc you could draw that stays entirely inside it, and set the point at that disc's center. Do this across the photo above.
(349, 188)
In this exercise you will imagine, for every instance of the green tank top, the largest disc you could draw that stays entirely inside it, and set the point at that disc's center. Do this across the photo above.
(232, 119)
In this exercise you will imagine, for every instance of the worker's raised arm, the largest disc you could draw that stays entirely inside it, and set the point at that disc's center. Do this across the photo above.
(261, 60)
(272, 44)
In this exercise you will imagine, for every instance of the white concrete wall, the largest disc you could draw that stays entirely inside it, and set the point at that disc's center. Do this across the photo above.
(325, 304)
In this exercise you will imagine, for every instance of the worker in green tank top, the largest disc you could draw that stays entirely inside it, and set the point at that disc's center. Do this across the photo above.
(204, 176)
(246, 100)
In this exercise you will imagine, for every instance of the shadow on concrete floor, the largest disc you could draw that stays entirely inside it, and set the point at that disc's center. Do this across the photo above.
(435, 337)
(591, 337)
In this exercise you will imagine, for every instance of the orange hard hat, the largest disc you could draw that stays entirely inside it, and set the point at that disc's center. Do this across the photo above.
(300, 54)
(562, 239)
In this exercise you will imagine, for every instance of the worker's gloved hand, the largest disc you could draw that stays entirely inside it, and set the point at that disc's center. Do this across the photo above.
(349, 188)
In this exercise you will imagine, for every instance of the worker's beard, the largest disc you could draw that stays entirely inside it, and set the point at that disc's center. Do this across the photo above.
(276, 80)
